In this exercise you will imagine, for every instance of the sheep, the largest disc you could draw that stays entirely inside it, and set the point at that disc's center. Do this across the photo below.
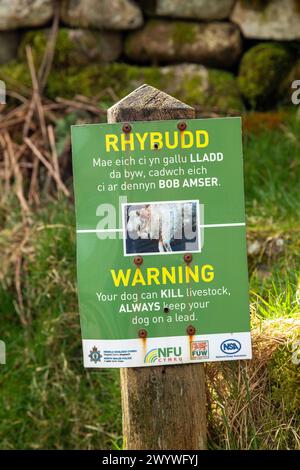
(163, 222)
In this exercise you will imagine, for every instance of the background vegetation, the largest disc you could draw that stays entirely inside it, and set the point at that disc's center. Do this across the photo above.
(65, 63)
(49, 401)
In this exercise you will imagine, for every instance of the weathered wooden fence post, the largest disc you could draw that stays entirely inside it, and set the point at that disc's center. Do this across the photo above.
(164, 407)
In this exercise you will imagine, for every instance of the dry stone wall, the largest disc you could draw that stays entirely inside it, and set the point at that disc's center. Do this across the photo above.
(223, 55)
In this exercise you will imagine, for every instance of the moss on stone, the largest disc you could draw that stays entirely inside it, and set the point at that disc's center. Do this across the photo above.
(183, 32)
(179, 32)
(223, 91)
(93, 79)
(262, 69)
(16, 75)
(38, 39)
(285, 379)
(64, 48)
(210, 89)
(214, 89)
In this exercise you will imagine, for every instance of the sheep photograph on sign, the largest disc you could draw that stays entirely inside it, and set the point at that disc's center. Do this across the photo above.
(161, 227)
(161, 242)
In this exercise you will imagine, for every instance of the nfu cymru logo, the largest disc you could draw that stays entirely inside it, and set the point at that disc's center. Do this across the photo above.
(163, 355)
(95, 355)
(2, 92)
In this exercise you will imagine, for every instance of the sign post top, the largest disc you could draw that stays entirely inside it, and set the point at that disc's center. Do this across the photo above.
(146, 103)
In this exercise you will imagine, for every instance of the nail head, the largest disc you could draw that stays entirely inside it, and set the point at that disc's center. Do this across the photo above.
(126, 128)
(182, 126)
(138, 260)
(188, 257)
(143, 333)
(191, 330)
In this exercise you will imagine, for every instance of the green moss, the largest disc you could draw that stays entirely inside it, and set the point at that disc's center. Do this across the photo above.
(191, 87)
(183, 32)
(16, 75)
(37, 40)
(64, 48)
(285, 379)
(262, 69)
(179, 32)
(91, 80)
(69, 50)
(223, 91)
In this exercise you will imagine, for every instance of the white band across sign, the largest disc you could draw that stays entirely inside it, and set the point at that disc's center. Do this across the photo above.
(170, 350)
(238, 224)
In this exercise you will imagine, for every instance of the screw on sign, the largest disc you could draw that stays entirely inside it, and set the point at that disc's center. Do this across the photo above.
(143, 333)
(126, 128)
(138, 260)
(191, 330)
(182, 126)
(188, 258)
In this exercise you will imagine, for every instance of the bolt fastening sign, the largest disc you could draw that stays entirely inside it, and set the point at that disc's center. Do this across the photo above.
(161, 242)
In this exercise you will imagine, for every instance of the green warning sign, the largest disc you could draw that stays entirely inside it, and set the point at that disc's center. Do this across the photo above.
(161, 242)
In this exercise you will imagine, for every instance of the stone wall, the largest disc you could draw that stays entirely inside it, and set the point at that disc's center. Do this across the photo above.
(221, 55)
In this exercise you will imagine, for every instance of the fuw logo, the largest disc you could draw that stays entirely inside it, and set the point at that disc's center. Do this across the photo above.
(199, 350)
(2, 352)
(162, 355)
(2, 92)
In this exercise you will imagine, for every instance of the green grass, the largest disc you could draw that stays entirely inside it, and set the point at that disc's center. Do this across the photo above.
(272, 171)
(48, 400)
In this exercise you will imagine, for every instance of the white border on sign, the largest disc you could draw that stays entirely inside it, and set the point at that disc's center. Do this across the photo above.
(154, 253)
(118, 353)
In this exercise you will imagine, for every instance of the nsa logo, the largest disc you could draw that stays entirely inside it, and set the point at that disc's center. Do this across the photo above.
(95, 355)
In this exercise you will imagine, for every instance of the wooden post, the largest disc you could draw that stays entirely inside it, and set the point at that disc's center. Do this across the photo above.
(163, 407)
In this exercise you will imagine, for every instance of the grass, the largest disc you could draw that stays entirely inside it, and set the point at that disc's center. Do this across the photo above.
(48, 401)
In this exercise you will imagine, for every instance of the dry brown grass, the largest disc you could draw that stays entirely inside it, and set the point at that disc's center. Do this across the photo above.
(242, 414)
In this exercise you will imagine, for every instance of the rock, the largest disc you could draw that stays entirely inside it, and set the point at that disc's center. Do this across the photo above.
(207, 89)
(20, 13)
(74, 46)
(107, 14)
(275, 19)
(9, 41)
(212, 44)
(193, 9)
(262, 69)
(254, 247)
(274, 246)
